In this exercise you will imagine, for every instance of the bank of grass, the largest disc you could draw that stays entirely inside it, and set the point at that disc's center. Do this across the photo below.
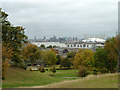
(91, 81)
(20, 78)
(105, 81)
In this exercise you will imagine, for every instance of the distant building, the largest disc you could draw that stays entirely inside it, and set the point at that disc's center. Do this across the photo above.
(90, 43)
(94, 40)
(84, 45)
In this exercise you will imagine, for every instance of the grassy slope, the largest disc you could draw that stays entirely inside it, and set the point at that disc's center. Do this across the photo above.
(102, 81)
(20, 77)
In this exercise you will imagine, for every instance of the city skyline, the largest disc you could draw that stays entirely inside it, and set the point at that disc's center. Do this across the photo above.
(64, 18)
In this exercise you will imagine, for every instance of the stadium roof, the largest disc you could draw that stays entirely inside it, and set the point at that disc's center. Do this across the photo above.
(94, 40)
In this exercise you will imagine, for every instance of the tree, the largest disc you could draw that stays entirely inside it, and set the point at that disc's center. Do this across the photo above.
(82, 71)
(41, 69)
(65, 63)
(59, 59)
(71, 54)
(84, 58)
(50, 46)
(42, 46)
(53, 69)
(111, 45)
(54, 46)
(7, 55)
(50, 57)
(15, 36)
(31, 53)
(106, 58)
(100, 60)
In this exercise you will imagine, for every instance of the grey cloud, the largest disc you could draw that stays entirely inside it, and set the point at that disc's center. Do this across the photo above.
(74, 18)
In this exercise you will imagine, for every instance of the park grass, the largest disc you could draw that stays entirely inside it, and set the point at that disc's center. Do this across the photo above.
(19, 78)
(91, 81)
(22, 78)
(64, 73)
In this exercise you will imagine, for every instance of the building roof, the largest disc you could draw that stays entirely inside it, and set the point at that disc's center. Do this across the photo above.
(94, 40)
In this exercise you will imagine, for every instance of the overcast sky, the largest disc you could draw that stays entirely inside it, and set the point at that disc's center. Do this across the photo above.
(63, 18)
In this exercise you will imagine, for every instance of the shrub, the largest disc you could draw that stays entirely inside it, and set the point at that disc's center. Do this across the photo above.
(94, 71)
(29, 68)
(82, 71)
(19, 65)
(22, 65)
(41, 69)
(104, 70)
(53, 70)
(99, 73)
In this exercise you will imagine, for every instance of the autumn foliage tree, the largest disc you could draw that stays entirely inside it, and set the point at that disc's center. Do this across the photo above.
(13, 39)
(106, 58)
(101, 63)
(111, 45)
(50, 57)
(7, 55)
(31, 53)
(84, 58)
(15, 36)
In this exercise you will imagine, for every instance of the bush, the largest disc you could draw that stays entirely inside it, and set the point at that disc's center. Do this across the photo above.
(99, 73)
(19, 65)
(82, 71)
(41, 69)
(104, 70)
(53, 70)
(94, 71)
(22, 65)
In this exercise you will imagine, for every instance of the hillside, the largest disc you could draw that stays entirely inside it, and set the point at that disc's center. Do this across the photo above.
(18, 77)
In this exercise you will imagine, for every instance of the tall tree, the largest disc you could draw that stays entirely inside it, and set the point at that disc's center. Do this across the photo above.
(15, 36)
(111, 45)
(100, 60)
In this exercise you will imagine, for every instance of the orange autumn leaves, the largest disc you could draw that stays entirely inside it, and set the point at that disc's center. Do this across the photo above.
(7, 55)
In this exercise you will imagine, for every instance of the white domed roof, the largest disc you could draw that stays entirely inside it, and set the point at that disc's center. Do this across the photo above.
(94, 40)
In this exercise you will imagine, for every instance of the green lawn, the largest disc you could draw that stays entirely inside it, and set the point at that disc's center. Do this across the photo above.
(19, 77)
(101, 81)
(22, 78)
(64, 73)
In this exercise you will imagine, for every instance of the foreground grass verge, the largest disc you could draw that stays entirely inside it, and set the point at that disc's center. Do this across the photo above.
(35, 79)
(91, 81)
(20, 78)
